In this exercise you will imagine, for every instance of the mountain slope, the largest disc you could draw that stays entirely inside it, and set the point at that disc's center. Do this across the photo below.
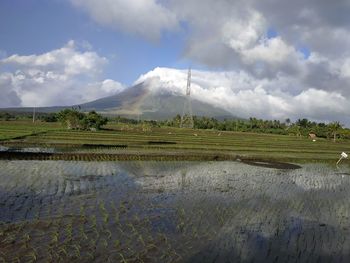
(140, 102)
(158, 95)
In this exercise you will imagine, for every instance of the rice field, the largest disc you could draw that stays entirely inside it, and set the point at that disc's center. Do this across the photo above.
(20, 129)
(75, 211)
(134, 143)
(170, 195)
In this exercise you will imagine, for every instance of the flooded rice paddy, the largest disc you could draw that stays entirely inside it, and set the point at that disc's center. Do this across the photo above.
(73, 211)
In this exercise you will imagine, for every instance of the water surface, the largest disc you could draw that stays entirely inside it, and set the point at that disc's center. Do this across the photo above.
(173, 212)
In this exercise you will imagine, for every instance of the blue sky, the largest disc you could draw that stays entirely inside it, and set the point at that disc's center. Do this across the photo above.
(268, 59)
(39, 26)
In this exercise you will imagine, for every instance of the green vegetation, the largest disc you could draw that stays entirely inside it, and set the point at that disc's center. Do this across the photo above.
(21, 128)
(76, 120)
(302, 127)
(41, 116)
(127, 141)
(120, 211)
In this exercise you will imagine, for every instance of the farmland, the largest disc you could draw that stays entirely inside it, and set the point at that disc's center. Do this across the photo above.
(123, 142)
(17, 129)
(134, 194)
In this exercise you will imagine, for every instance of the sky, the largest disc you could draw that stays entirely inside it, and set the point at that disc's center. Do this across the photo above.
(272, 59)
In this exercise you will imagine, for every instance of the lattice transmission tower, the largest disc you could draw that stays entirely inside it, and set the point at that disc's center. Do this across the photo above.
(187, 118)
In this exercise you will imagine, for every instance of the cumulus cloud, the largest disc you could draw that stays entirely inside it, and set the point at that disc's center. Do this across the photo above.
(254, 27)
(103, 88)
(67, 61)
(8, 96)
(305, 63)
(147, 18)
(64, 76)
(303, 70)
(245, 95)
(232, 35)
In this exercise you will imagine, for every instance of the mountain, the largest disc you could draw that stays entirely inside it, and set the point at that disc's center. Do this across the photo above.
(158, 95)
(141, 102)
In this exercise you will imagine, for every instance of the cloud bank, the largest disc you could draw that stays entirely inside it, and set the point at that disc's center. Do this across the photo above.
(270, 59)
(64, 76)
(147, 18)
(285, 58)
(245, 95)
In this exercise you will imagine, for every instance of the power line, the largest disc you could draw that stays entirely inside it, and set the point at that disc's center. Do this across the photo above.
(187, 118)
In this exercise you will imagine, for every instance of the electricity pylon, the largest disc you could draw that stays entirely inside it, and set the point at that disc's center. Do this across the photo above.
(187, 118)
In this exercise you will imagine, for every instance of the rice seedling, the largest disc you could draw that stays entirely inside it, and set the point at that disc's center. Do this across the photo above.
(32, 256)
(107, 208)
(123, 260)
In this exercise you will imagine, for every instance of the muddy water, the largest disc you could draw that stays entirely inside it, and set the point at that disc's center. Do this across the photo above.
(53, 211)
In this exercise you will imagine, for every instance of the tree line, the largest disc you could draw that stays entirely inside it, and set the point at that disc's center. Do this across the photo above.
(301, 127)
(75, 119)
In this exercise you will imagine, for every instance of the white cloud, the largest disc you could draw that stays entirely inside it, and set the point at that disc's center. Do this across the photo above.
(64, 76)
(9, 97)
(260, 76)
(101, 89)
(147, 18)
(271, 51)
(232, 35)
(246, 96)
(279, 80)
(67, 61)
(239, 39)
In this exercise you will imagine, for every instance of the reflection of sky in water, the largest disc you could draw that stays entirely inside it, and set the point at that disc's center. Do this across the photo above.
(269, 214)
(242, 212)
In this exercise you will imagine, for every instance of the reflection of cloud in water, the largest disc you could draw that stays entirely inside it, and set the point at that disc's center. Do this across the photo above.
(41, 176)
(318, 177)
(231, 176)
(217, 177)
(228, 211)
(260, 205)
(317, 182)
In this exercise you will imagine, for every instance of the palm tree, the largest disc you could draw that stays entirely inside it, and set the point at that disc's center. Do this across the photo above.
(295, 129)
(287, 121)
(334, 128)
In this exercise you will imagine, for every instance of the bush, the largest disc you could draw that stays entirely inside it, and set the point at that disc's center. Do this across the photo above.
(76, 120)
(95, 120)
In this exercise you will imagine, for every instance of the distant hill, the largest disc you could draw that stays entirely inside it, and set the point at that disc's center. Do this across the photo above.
(140, 101)
(157, 95)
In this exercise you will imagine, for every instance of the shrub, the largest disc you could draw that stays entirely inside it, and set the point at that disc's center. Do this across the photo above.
(76, 120)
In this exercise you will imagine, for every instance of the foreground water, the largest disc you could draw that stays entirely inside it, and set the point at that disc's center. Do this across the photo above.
(58, 211)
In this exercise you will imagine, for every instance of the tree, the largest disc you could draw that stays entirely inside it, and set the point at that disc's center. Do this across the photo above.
(303, 123)
(295, 129)
(95, 120)
(334, 128)
(5, 116)
(72, 119)
(287, 121)
(76, 120)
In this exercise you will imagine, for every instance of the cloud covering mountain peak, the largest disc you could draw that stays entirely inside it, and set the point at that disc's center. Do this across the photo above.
(245, 95)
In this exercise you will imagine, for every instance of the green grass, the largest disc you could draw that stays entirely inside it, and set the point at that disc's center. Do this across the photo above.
(172, 141)
(17, 129)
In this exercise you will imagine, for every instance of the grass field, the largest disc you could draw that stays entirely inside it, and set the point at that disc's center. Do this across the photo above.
(17, 129)
(133, 141)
